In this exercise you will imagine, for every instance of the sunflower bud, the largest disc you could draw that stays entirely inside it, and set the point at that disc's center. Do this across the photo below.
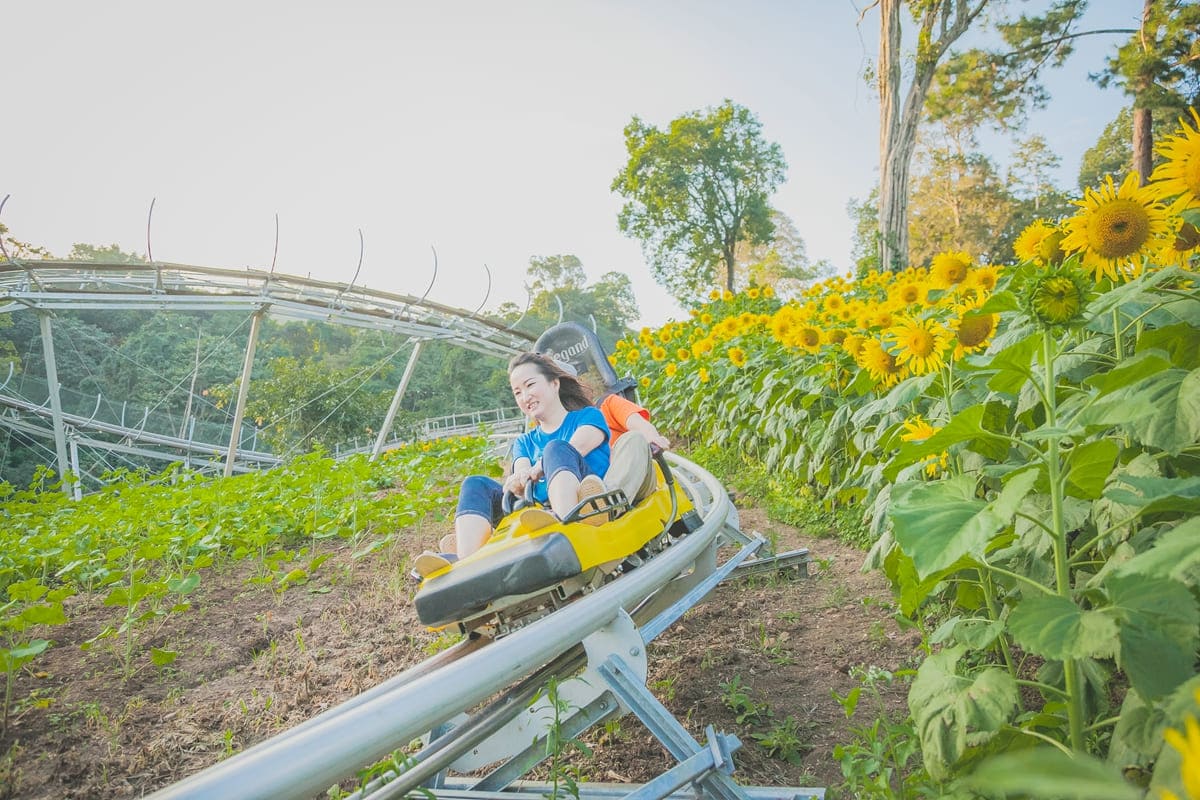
(1057, 298)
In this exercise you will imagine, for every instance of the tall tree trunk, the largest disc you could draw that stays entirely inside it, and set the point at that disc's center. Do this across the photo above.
(893, 177)
(1143, 129)
(942, 22)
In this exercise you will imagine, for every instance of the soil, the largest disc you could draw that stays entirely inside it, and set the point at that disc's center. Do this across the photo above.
(254, 661)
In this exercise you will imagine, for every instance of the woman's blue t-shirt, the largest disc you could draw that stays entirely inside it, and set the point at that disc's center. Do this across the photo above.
(530, 445)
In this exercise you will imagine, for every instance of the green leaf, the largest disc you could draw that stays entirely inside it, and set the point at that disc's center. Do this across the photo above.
(1088, 467)
(1159, 631)
(1000, 302)
(1175, 556)
(1129, 371)
(1056, 628)
(183, 585)
(1180, 341)
(975, 425)
(14, 659)
(1047, 772)
(1153, 494)
(1012, 365)
(161, 658)
(1174, 397)
(27, 591)
(43, 615)
(954, 713)
(938, 523)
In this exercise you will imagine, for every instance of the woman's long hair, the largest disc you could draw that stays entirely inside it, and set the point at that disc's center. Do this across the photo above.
(573, 394)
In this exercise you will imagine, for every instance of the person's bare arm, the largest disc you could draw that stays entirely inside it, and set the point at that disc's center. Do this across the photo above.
(645, 427)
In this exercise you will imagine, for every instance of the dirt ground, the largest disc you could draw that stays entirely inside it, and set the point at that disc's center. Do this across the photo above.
(253, 662)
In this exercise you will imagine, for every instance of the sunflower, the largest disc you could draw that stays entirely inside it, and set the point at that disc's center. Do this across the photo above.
(702, 375)
(666, 334)
(972, 330)
(917, 429)
(683, 354)
(1057, 298)
(834, 303)
(706, 318)
(909, 292)
(738, 356)
(753, 292)
(807, 337)
(768, 292)
(982, 280)
(702, 347)
(715, 294)
(670, 369)
(949, 269)
(836, 335)
(879, 363)
(1040, 243)
(1185, 247)
(853, 344)
(1187, 743)
(633, 355)
(1117, 228)
(645, 383)
(920, 344)
(1180, 173)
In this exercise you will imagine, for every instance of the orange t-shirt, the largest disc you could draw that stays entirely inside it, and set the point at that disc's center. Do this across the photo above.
(616, 410)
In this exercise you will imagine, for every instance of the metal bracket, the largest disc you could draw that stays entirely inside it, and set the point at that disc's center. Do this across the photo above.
(585, 695)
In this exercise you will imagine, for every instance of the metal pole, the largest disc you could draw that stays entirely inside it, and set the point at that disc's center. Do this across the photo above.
(243, 390)
(75, 469)
(395, 406)
(60, 433)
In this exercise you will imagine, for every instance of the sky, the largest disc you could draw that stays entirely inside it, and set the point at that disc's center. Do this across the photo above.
(489, 131)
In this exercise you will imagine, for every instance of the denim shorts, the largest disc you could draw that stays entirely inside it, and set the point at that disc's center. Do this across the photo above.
(484, 497)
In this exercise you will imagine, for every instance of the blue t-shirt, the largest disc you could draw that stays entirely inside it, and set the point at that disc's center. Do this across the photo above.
(530, 445)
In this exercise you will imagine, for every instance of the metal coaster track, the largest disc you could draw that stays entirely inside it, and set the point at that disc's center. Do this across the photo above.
(47, 286)
(607, 630)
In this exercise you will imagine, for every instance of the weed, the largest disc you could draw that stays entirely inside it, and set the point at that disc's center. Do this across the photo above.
(837, 596)
(229, 744)
(564, 777)
(737, 699)
(782, 740)
(666, 686)
(883, 758)
(772, 646)
(444, 641)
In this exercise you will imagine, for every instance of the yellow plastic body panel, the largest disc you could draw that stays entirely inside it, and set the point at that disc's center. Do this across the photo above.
(593, 544)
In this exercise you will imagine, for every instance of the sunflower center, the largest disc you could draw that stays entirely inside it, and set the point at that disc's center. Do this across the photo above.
(975, 329)
(919, 342)
(1119, 228)
(1188, 236)
(810, 337)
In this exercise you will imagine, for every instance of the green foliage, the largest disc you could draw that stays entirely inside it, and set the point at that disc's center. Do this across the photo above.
(783, 740)
(564, 777)
(695, 190)
(144, 542)
(882, 757)
(739, 699)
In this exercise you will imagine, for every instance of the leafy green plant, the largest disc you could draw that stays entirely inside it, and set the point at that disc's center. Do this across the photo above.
(783, 741)
(563, 776)
(882, 758)
(30, 604)
(738, 699)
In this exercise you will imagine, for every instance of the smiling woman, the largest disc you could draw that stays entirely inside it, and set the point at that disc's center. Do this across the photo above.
(561, 461)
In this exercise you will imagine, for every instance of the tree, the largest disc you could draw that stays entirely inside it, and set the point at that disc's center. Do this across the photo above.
(558, 293)
(1112, 154)
(781, 263)
(111, 254)
(1031, 174)
(694, 191)
(1159, 67)
(864, 242)
(958, 200)
(996, 85)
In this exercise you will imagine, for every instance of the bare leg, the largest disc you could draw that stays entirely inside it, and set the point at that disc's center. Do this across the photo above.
(564, 493)
(470, 532)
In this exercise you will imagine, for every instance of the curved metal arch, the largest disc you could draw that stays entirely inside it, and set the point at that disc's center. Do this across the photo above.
(486, 294)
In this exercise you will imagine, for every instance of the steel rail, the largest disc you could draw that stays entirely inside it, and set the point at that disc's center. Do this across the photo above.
(309, 759)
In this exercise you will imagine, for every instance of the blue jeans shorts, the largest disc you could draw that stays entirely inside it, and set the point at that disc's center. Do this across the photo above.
(484, 497)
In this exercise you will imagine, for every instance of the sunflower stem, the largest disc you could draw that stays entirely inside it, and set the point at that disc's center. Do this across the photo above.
(1118, 339)
(1062, 574)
